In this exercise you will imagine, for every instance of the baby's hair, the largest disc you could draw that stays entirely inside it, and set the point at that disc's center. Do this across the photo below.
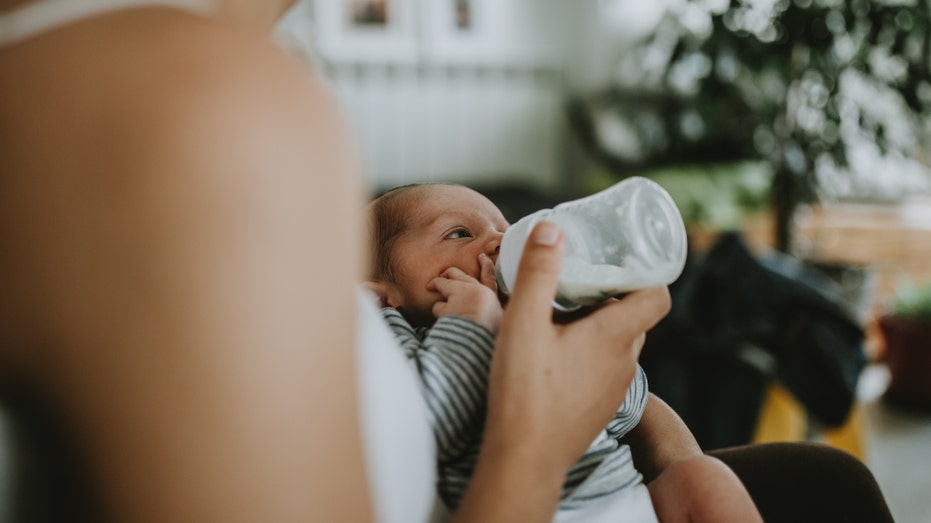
(389, 217)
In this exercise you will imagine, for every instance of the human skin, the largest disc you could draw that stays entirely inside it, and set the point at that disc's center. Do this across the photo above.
(465, 296)
(150, 244)
(685, 484)
(451, 241)
(162, 273)
(575, 372)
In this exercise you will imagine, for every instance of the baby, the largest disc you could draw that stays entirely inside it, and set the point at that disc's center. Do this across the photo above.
(434, 247)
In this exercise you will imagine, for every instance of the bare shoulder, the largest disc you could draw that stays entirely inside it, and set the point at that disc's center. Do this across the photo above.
(204, 81)
(170, 133)
(135, 80)
(228, 108)
(237, 124)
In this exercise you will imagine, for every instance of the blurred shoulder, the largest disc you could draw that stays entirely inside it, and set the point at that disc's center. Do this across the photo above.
(229, 120)
(215, 98)
(204, 67)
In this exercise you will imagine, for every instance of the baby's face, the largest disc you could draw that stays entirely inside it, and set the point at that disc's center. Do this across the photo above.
(450, 227)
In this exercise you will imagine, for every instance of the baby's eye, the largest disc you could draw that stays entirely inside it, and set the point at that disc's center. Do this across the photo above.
(457, 234)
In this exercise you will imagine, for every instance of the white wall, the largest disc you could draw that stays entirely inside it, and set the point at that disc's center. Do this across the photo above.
(465, 124)
(428, 103)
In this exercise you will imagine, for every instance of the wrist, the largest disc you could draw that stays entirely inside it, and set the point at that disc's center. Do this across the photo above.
(512, 467)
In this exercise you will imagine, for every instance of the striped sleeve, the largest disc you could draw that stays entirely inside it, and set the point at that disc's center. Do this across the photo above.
(615, 472)
(452, 359)
(628, 416)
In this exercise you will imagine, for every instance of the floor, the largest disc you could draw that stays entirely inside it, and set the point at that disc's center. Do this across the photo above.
(898, 450)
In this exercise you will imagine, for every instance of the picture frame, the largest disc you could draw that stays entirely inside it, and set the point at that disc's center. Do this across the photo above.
(489, 32)
(367, 30)
(457, 31)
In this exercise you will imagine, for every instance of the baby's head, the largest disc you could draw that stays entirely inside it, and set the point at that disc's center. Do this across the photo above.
(418, 231)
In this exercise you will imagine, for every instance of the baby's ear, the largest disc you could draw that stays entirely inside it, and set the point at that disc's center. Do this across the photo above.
(384, 291)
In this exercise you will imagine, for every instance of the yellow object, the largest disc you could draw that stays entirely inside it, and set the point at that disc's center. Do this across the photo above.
(783, 418)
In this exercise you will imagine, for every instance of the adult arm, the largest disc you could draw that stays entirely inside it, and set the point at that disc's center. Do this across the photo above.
(181, 268)
(552, 387)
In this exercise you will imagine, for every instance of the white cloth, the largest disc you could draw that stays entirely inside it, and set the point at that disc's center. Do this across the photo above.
(44, 15)
(631, 505)
(399, 446)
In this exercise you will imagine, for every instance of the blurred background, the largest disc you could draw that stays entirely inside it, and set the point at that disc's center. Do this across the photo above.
(793, 135)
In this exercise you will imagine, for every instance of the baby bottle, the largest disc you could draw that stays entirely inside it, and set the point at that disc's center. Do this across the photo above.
(626, 237)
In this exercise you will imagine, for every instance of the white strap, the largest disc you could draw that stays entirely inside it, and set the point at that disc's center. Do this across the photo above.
(37, 17)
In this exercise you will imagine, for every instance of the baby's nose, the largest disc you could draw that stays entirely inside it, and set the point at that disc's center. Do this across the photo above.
(493, 248)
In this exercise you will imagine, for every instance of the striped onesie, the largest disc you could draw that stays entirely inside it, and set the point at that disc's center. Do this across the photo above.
(452, 360)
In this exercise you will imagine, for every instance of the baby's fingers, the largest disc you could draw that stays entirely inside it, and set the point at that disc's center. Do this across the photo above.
(440, 284)
(455, 273)
(439, 309)
(487, 276)
(448, 286)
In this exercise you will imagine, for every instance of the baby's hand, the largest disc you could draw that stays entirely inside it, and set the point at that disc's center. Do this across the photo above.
(465, 296)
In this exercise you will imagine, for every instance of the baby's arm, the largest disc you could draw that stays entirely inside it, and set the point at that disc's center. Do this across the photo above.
(660, 439)
(463, 295)
(685, 484)
(452, 361)
(701, 489)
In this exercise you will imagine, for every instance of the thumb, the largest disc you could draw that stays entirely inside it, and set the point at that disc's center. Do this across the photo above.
(538, 272)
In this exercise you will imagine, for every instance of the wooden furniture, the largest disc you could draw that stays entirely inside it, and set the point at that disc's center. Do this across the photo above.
(892, 242)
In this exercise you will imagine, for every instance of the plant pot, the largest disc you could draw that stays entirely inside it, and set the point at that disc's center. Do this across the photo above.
(908, 355)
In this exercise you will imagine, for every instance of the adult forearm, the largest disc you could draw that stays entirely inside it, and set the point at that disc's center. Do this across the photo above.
(511, 483)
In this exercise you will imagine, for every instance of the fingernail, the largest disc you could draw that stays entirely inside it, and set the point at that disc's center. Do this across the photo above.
(545, 233)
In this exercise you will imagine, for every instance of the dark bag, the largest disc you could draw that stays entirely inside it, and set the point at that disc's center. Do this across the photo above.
(737, 323)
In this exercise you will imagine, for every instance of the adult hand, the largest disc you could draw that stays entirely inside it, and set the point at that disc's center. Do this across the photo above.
(553, 386)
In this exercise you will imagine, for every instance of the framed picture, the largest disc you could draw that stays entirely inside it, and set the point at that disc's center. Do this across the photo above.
(490, 32)
(367, 30)
(457, 30)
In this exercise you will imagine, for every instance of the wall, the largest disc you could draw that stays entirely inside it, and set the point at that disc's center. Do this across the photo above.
(454, 123)
(429, 102)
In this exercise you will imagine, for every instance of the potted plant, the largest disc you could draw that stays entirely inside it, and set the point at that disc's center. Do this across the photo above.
(906, 327)
(822, 91)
